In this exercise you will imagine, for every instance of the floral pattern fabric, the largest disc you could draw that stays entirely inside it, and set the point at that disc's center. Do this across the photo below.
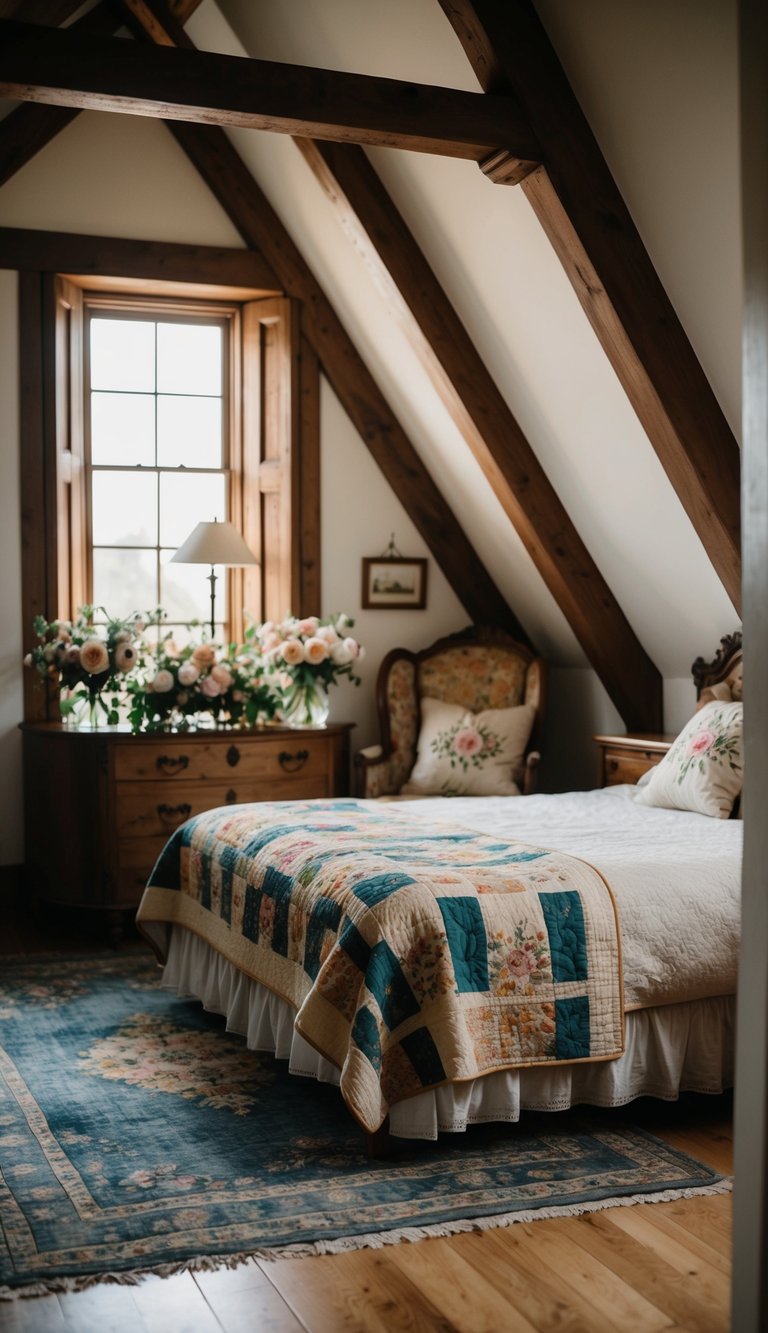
(414, 957)
(703, 770)
(469, 754)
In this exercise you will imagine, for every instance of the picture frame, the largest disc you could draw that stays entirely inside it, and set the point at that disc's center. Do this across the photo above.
(394, 583)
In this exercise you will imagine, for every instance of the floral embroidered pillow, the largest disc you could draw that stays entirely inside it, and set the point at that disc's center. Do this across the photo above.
(703, 771)
(469, 754)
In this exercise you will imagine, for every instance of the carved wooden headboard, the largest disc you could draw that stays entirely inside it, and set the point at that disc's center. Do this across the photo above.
(721, 678)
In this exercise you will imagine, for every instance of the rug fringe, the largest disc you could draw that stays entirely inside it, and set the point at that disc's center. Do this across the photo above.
(374, 1240)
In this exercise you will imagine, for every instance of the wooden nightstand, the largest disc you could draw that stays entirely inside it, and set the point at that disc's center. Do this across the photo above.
(625, 758)
(100, 805)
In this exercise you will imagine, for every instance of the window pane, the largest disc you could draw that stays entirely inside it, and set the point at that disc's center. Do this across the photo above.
(123, 428)
(189, 432)
(188, 358)
(187, 499)
(123, 354)
(185, 591)
(124, 508)
(124, 581)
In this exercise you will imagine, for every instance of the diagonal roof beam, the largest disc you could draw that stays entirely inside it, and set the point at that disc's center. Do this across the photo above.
(227, 176)
(418, 303)
(578, 204)
(31, 126)
(76, 69)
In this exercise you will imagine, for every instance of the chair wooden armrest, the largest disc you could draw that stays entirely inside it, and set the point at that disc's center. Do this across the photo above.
(530, 775)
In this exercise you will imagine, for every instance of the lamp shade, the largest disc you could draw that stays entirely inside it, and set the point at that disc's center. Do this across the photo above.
(214, 544)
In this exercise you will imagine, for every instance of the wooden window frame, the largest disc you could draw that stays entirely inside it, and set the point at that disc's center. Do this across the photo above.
(49, 421)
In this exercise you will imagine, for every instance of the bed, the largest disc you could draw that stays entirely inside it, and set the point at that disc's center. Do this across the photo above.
(660, 988)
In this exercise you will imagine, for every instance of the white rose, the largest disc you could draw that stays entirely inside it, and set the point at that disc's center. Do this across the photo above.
(328, 634)
(352, 647)
(162, 682)
(28, 659)
(292, 652)
(188, 673)
(340, 654)
(315, 651)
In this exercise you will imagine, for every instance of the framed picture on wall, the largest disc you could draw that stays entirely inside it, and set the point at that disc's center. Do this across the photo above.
(395, 583)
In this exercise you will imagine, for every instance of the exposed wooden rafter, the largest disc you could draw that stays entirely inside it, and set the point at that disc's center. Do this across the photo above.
(209, 149)
(420, 306)
(73, 68)
(31, 126)
(578, 204)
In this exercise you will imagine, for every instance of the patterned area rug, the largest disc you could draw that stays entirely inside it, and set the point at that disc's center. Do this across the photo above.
(135, 1134)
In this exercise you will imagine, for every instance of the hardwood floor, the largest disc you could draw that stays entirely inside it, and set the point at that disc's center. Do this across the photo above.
(640, 1269)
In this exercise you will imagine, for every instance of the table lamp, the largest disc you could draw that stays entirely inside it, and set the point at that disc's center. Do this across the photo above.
(214, 544)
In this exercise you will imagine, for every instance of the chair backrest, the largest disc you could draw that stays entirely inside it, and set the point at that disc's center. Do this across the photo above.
(477, 668)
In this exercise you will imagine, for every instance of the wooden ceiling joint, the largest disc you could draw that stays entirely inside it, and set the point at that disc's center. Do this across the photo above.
(591, 230)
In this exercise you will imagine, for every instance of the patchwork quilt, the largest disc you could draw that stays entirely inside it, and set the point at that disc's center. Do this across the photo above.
(414, 955)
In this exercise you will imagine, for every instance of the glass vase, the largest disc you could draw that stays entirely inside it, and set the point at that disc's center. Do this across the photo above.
(305, 704)
(87, 714)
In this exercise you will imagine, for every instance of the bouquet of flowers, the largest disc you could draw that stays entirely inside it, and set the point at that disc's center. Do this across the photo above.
(87, 661)
(303, 656)
(177, 683)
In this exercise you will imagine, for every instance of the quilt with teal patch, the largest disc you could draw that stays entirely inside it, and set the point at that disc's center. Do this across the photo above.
(414, 954)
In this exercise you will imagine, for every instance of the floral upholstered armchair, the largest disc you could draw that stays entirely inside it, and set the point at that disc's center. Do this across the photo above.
(478, 668)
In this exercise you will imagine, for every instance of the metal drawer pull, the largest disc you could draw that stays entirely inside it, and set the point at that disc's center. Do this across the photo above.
(233, 756)
(613, 765)
(168, 763)
(291, 763)
(231, 797)
(175, 813)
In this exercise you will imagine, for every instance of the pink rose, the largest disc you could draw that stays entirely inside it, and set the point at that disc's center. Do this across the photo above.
(210, 688)
(315, 651)
(125, 656)
(468, 741)
(271, 641)
(701, 742)
(327, 633)
(353, 647)
(204, 655)
(308, 626)
(223, 675)
(188, 673)
(162, 682)
(520, 963)
(292, 652)
(94, 657)
(72, 655)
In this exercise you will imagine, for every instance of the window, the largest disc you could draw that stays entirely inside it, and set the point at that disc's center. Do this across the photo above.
(158, 455)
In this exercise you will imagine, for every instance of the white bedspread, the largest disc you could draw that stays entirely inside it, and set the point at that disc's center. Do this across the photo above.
(676, 878)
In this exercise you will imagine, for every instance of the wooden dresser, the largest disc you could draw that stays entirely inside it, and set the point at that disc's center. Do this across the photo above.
(99, 805)
(624, 758)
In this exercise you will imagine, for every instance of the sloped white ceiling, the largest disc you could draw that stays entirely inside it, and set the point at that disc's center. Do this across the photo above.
(499, 271)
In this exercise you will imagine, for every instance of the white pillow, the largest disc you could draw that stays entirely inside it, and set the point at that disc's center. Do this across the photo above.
(703, 770)
(469, 754)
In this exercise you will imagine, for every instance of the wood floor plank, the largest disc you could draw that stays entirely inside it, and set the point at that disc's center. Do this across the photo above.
(615, 1303)
(713, 1147)
(347, 1293)
(455, 1287)
(243, 1299)
(711, 1246)
(40, 1314)
(683, 1291)
(106, 1308)
(175, 1303)
(672, 1243)
(493, 1254)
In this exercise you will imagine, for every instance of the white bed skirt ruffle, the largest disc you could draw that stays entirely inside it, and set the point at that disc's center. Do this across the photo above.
(671, 1049)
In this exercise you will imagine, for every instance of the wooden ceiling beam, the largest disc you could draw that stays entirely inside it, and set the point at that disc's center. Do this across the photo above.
(67, 67)
(419, 305)
(115, 257)
(591, 230)
(31, 126)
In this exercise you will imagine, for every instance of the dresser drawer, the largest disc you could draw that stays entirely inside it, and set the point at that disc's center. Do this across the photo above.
(147, 809)
(227, 760)
(621, 766)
